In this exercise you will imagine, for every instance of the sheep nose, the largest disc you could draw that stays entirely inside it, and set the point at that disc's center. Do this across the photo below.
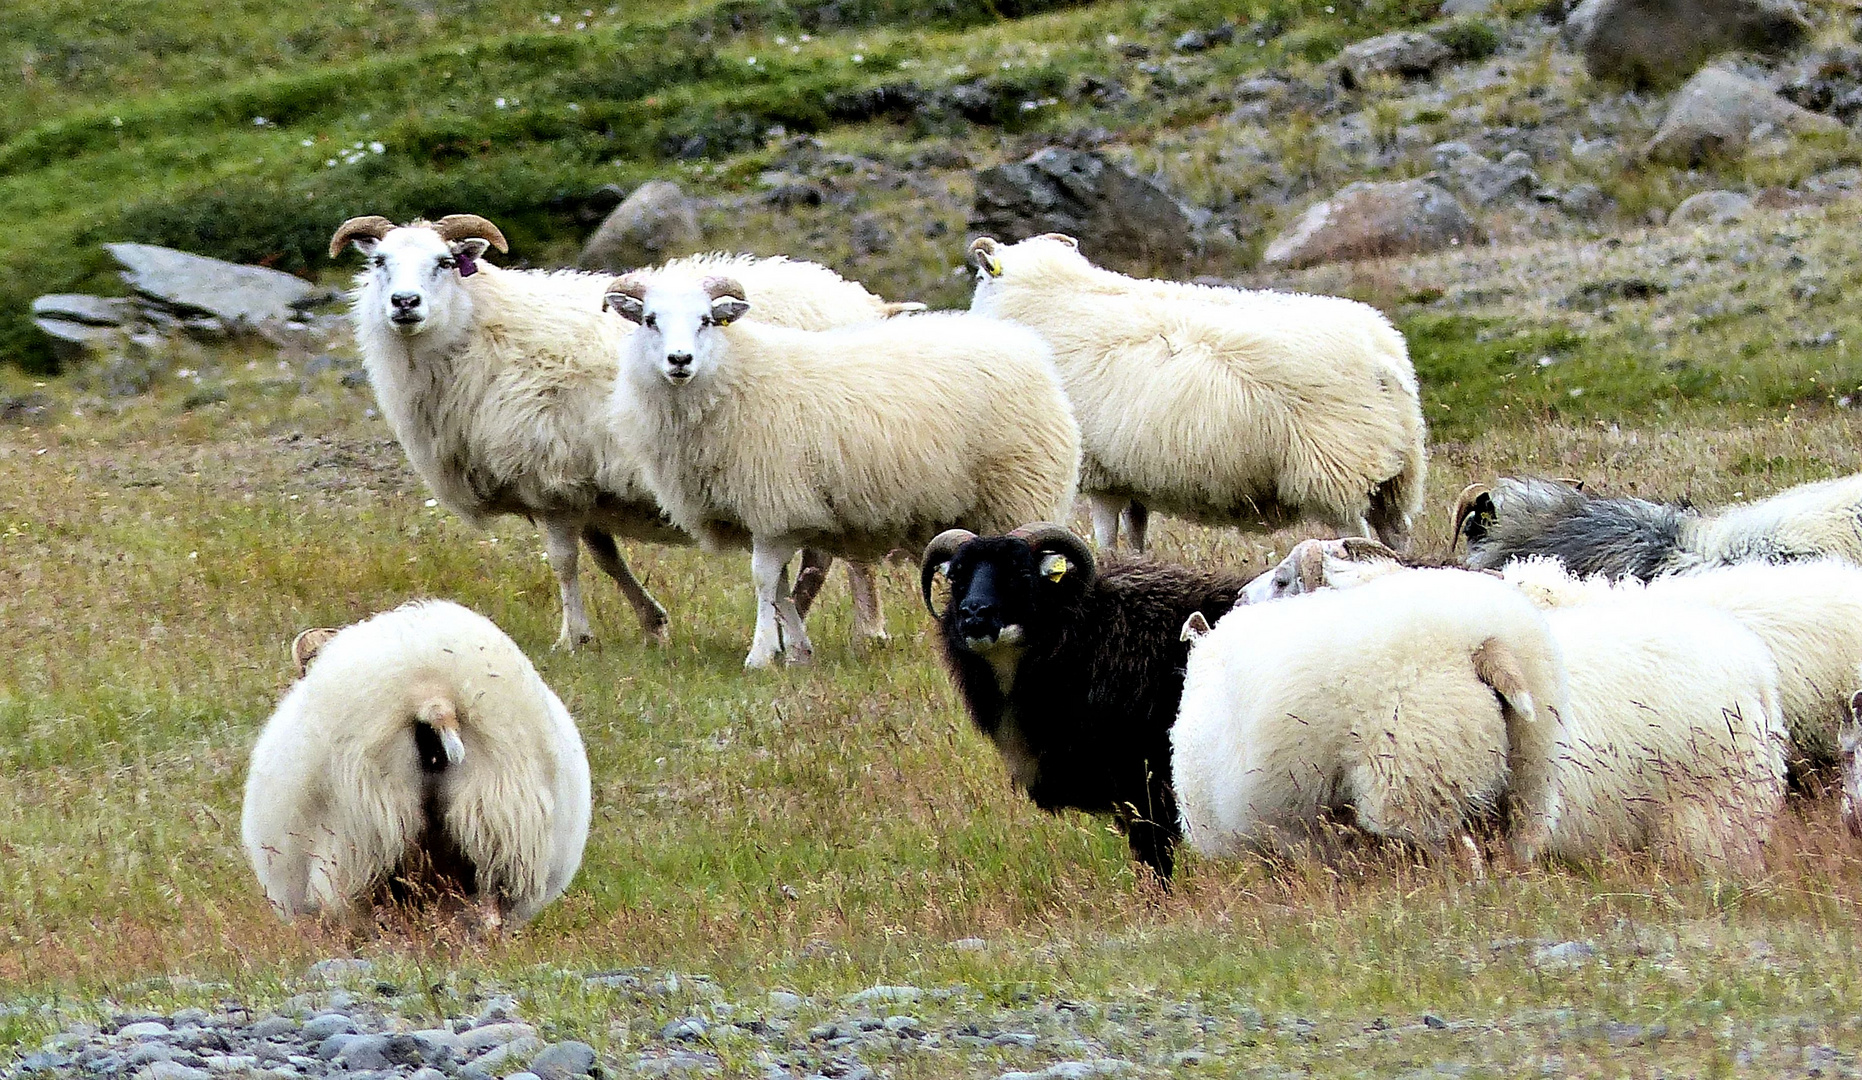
(976, 620)
(679, 359)
(405, 300)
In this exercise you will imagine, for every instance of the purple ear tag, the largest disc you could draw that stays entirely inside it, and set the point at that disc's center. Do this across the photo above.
(467, 264)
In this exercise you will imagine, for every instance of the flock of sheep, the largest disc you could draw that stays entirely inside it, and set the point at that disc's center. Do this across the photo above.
(1551, 695)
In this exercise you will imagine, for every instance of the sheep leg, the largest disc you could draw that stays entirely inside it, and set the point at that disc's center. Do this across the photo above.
(775, 609)
(1137, 518)
(809, 577)
(561, 543)
(869, 622)
(1106, 509)
(608, 557)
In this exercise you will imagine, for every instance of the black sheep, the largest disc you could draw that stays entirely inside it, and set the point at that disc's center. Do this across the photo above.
(1075, 675)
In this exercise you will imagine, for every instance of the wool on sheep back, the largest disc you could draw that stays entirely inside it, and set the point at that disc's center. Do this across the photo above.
(1223, 406)
(1415, 706)
(419, 739)
(1674, 742)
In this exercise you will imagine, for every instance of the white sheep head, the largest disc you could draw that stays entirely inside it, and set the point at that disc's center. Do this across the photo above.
(414, 279)
(678, 320)
(1320, 564)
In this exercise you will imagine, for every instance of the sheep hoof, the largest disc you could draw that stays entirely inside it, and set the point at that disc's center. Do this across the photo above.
(759, 661)
(660, 635)
(876, 636)
(570, 642)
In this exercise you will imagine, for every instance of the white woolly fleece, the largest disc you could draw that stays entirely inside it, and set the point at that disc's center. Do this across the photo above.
(1420, 700)
(333, 795)
(1223, 406)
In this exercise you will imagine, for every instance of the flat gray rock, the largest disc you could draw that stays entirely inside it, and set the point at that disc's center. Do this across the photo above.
(1120, 219)
(1405, 53)
(1719, 113)
(1660, 42)
(242, 296)
(564, 1061)
(1368, 220)
(88, 310)
(1711, 208)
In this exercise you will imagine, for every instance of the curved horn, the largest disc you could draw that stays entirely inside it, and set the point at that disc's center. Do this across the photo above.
(306, 646)
(1062, 237)
(462, 226)
(1311, 567)
(1047, 536)
(629, 286)
(717, 288)
(1365, 549)
(937, 553)
(1464, 507)
(371, 225)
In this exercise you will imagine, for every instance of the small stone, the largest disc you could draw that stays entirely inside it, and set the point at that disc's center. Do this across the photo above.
(909, 1027)
(690, 1029)
(273, 1027)
(1434, 1022)
(436, 1041)
(784, 1001)
(877, 995)
(498, 1009)
(318, 1028)
(490, 1035)
(526, 1075)
(49, 1061)
(146, 1029)
(1719, 112)
(149, 1053)
(232, 1063)
(1014, 1038)
(654, 223)
(969, 944)
(427, 1073)
(517, 1052)
(563, 1061)
(189, 1018)
(1711, 208)
(332, 1046)
(1369, 219)
(1405, 53)
(169, 1070)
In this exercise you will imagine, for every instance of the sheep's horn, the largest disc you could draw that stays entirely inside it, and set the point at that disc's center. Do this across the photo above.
(1062, 237)
(1311, 567)
(717, 288)
(625, 285)
(1047, 536)
(937, 553)
(373, 226)
(907, 307)
(983, 253)
(1365, 549)
(306, 646)
(1465, 508)
(470, 226)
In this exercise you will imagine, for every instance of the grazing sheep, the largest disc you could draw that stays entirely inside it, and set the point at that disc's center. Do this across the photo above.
(1674, 742)
(496, 384)
(420, 756)
(1218, 405)
(1073, 671)
(1323, 564)
(1624, 537)
(831, 439)
(1415, 706)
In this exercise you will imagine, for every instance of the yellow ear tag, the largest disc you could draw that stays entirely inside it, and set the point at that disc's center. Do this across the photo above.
(995, 266)
(1054, 567)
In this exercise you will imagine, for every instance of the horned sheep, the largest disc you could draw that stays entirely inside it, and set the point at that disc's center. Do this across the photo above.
(419, 756)
(1417, 706)
(1627, 537)
(793, 437)
(1223, 406)
(496, 381)
(1074, 670)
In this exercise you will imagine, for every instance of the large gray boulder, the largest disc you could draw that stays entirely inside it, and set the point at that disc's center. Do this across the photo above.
(1366, 220)
(1123, 220)
(1718, 113)
(242, 297)
(655, 223)
(1661, 42)
(1405, 53)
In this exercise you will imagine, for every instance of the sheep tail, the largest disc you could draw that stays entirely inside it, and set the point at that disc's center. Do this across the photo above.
(440, 714)
(1526, 737)
(1394, 502)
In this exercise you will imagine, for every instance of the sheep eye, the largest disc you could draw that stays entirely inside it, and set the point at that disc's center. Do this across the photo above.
(651, 322)
(379, 261)
(447, 262)
(706, 320)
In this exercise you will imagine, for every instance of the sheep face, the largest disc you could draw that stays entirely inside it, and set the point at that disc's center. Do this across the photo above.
(678, 321)
(1320, 564)
(1003, 589)
(413, 279)
(995, 261)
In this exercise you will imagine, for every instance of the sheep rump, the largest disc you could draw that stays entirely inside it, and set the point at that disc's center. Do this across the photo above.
(1419, 702)
(1217, 405)
(338, 801)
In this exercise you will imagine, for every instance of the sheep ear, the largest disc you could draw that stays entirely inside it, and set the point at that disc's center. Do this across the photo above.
(471, 247)
(726, 310)
(1194, 627)
(1055, 566)
(626, 305)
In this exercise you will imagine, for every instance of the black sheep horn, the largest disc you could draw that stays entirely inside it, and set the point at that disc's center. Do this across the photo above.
(1047, 536)
(937, 553)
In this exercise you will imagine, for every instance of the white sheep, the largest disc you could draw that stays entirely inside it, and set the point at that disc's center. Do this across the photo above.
(1418, 703)
(419, 755)
(854, 441)
(496, 383)
(1674, 742)
(1223, 406)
